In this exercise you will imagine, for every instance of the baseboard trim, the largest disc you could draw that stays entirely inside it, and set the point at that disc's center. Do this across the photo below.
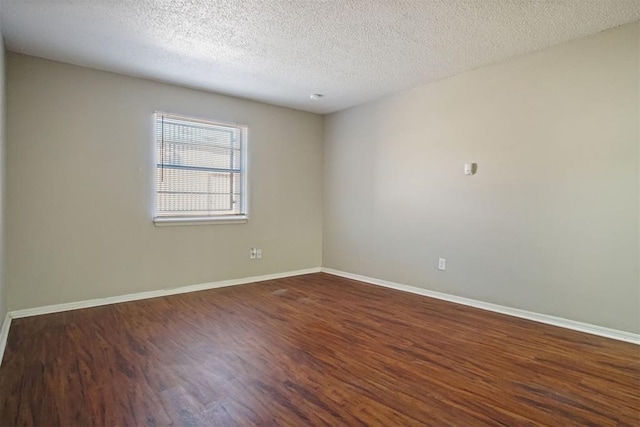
(536, 317)
(4, 334)
(529, 315)
(57, 308)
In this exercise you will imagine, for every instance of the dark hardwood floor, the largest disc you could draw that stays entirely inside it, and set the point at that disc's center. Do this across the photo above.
(310, 350)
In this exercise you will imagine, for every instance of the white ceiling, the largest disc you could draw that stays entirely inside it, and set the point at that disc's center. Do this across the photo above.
(281, 51)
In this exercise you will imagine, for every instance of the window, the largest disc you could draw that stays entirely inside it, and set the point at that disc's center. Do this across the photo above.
(201, 171)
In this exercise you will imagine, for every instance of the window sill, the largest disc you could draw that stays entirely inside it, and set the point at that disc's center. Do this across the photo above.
(207, 220)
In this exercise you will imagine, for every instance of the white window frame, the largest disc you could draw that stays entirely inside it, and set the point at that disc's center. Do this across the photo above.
(208, 219)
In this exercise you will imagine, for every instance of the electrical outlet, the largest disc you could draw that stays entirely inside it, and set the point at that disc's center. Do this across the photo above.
(442, 264)
(255, 253)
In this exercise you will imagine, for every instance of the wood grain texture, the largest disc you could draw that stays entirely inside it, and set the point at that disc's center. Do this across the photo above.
(311, 350)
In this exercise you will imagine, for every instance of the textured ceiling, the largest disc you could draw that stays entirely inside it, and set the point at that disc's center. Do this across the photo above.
(281, 51)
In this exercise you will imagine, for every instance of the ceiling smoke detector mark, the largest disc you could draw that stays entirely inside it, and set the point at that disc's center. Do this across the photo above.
(316, 96)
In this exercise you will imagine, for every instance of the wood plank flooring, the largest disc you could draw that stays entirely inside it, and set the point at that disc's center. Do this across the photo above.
(310, 350)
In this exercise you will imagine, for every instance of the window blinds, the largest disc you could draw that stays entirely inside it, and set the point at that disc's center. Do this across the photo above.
(201, 168)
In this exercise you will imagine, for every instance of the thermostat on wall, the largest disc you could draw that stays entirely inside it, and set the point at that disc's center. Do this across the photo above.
(470, 168)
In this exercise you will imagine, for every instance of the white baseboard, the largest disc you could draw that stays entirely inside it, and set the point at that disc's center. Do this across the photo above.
(153, 294)
(4, 334)
(529, 315)
(56, 308)
(537, 317)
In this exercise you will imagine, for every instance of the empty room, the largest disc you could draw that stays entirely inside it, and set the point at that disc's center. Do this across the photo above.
(320, 213)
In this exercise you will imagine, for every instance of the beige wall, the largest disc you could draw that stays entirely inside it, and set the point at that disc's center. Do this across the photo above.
(3, 292)
(80, 187)
(550, 221)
